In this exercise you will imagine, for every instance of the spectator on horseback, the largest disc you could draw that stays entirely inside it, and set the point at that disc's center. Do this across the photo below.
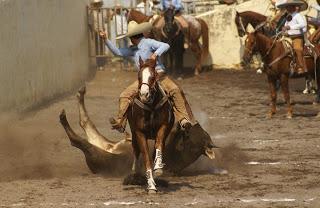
(176, 5)
(296, 27)
(146, 48)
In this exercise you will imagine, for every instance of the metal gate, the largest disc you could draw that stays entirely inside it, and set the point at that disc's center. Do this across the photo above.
(111, 20)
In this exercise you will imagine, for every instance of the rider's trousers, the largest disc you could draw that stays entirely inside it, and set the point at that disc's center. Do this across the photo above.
(298, 44)
(181, 107)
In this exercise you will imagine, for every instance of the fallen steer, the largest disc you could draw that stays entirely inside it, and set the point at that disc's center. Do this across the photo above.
(104, 155)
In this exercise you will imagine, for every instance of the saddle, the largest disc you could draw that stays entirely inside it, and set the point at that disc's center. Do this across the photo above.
(309, 51)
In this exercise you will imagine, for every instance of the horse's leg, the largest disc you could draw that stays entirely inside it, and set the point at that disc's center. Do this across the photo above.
(160, 139)
(143, 146)
(196, 48)
(273, 90)
(317, 78)
(136, 152)
(286, 94)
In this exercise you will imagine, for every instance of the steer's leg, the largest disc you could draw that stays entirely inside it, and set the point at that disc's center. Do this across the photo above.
(273, 91)
(143, 146)
(286, 94)
(160, 139)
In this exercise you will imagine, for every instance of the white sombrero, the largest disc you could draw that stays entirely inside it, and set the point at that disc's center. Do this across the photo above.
(284, 3)
(135, 29)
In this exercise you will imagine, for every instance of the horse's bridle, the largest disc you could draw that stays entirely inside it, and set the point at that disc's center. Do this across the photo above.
(241, 23)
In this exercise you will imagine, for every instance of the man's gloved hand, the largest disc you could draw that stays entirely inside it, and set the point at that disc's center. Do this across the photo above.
(103, 34)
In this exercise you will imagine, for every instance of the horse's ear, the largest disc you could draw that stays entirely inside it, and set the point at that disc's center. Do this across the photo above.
(140, 61)
(250, 29)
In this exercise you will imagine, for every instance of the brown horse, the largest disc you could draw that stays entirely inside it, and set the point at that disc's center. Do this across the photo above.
(150, 117)
(170, 31)
(243, 19)
(134, 15)
(277, 62)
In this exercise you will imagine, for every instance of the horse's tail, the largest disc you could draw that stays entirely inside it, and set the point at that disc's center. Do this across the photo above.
(205, 38)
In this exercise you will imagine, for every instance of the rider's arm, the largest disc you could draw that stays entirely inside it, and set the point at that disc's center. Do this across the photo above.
(158, 47)
(301, 23)
(177, 4)
(123, 52)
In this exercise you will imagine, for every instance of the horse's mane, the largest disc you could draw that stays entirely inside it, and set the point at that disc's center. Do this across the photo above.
(148, 63)
(137, 16)
(253, 15)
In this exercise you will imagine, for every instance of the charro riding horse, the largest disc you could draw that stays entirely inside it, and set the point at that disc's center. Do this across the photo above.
(150, 117)
(278, 65)
(197, 29)
(268, 27)
(243, 19)
(170, 31)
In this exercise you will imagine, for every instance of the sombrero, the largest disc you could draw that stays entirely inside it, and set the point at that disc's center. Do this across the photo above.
(135, 29)
(284, 3)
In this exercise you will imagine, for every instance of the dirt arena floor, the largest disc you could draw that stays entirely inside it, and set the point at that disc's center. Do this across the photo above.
(270, 163)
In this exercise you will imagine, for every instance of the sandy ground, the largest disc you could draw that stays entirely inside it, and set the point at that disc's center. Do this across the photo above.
(271, 163)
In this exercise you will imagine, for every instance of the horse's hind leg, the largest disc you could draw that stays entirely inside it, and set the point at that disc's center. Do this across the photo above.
(317, 100)
(196, 48)
(286, 94)
(273, 90)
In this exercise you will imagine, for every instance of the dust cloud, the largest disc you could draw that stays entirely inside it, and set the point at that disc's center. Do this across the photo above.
(26, 153)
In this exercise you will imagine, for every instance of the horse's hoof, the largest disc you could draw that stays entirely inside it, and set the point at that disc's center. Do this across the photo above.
(306, 91)
(158, 172)
(152, 191)
(289, 116)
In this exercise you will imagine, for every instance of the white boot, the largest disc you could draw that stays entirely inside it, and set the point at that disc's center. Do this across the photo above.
(158, 160)
(151, 183)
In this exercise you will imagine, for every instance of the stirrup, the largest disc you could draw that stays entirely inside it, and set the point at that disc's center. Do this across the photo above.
(185, 125)
(116, 125)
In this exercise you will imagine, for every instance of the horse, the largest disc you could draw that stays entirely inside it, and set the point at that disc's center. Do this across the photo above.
(137, 16)
(170, 31)
(150, 117)
(243, 19)
(278, 62)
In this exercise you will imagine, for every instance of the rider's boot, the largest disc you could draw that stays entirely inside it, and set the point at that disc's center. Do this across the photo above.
(119, 123)
(182, 110)
(301, 69)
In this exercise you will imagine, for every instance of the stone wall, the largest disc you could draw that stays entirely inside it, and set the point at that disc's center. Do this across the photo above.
(43, 50)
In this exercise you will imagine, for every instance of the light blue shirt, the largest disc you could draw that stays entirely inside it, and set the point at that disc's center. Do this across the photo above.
(165, 4)
(144, 49)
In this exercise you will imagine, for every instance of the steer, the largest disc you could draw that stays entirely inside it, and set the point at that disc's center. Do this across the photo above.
(104, 155)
